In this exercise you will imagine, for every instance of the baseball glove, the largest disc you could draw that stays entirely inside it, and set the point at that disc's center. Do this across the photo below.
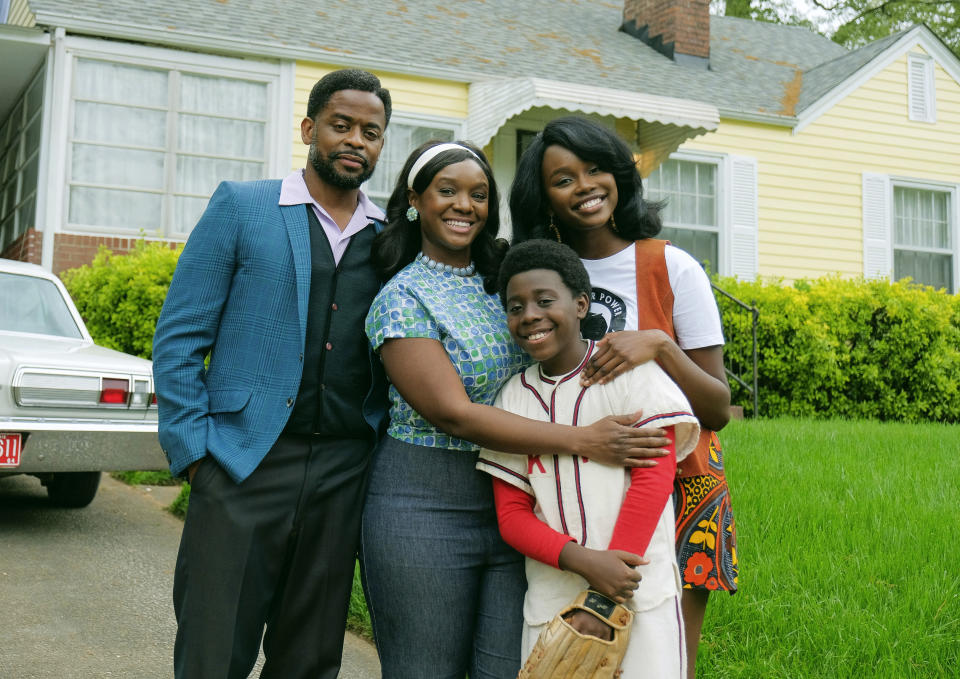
(562, 652)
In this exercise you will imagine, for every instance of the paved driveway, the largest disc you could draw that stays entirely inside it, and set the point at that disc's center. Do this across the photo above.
(86, 593)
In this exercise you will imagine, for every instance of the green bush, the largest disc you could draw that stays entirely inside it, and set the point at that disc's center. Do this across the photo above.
(829, 347)
(120, 296)
(146, 478)
(180, 504)
(836, 347)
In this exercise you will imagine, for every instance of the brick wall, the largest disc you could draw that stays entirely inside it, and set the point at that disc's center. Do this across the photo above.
(71, 251)
(26, 248)
(685, 23)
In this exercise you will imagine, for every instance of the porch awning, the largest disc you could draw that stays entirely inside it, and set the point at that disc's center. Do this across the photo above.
(663, 123)
(22, 52)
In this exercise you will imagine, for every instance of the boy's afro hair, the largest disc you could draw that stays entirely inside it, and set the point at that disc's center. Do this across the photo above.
(544, 254)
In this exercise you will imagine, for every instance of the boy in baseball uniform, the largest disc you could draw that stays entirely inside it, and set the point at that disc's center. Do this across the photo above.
(580, 523)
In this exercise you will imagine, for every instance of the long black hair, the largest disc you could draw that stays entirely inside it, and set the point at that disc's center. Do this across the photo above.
(398, 244)
(529, 205)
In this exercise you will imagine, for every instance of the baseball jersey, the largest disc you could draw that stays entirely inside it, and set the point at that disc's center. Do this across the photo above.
(582, 498)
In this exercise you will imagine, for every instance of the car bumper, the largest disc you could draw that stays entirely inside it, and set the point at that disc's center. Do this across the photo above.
(58, 446)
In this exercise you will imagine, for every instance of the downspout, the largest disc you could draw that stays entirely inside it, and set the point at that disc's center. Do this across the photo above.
(51, 189)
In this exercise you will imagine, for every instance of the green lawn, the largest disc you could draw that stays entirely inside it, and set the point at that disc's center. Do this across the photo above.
(848, 565)
(847, 562)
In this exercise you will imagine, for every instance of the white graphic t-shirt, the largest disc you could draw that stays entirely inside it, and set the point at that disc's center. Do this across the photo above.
(696, 319)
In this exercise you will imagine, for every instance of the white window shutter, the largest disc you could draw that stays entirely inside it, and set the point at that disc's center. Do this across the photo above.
(921, 91)
(877, 248)
(743, 216)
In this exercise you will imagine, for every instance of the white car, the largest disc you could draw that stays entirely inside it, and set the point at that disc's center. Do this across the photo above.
(69, 409)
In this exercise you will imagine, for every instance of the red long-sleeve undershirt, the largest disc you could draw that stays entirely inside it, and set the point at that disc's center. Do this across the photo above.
(650, 487)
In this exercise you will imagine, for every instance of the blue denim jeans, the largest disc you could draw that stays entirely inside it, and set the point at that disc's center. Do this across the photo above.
(445, 593)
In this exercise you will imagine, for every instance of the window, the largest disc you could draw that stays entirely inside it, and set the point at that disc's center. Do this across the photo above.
(402, 137)
(711, 209)
(524, 139)
(921, 88)
(691, 216)
(910, 229)
(923, 246)
(20, 163)
(33, 304)
(148, 146)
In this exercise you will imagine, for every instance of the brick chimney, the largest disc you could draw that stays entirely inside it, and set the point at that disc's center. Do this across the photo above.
(678, 29)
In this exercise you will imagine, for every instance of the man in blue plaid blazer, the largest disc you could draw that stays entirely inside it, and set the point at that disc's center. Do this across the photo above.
(275, 431)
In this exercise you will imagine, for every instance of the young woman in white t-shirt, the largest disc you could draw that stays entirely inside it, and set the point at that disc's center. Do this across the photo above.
(578, 183)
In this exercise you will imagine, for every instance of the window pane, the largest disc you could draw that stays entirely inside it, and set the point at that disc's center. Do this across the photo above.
(707, 211)
(921, 218)
(4, 169)
(35, 95)
(941, 222)
(30, 304)
(16, 120)
(690, 191)
(202, 175)
(31, 171)
(32, 138)
(10, 165)
(121, 151)
(524, 139)
(186, 212)
(686, 212)
(221, 137)
(688, 177)
(401, 140)
(120, 83)
(924, 267)
(10, 195)
(651, 184)
(28, 214)
(6, 229)
(117, 167)
(114, 208)
(703, 245)
(223, 96)
(671, 177)
(120, 125)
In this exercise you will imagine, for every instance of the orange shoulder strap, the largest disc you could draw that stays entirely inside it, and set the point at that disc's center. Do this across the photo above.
(654, 294)
(655, 310)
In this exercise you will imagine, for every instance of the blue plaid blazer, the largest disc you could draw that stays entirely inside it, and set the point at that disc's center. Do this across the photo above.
(239, 294)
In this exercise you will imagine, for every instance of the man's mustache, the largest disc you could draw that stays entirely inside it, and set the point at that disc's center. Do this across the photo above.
(350, 156)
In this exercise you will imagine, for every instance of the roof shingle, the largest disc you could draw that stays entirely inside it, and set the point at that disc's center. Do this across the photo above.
(755, 68)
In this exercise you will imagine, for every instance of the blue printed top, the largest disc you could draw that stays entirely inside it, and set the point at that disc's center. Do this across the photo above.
(470, 324)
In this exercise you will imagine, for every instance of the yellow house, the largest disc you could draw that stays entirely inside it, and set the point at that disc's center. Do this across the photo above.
(780, 153)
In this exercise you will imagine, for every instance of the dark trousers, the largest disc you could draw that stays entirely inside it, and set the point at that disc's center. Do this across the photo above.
(445, 591)
(274, 551)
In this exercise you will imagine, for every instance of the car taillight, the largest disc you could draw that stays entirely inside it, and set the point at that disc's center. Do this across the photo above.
(113, 391)
(140, 398)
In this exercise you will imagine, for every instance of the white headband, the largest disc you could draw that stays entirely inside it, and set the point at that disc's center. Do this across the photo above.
(432, 153)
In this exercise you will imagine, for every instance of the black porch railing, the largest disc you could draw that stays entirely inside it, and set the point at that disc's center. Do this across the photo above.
(739, 377)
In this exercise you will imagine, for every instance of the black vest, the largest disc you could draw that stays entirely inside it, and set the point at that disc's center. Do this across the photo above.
(336, 361)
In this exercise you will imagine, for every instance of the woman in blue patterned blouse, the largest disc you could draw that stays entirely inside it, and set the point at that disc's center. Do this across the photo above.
(444, 592)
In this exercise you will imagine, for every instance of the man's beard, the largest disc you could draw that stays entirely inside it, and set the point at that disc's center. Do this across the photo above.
(324, 165)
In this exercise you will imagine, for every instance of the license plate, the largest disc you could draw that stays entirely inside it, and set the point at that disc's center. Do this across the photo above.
(10, 447)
